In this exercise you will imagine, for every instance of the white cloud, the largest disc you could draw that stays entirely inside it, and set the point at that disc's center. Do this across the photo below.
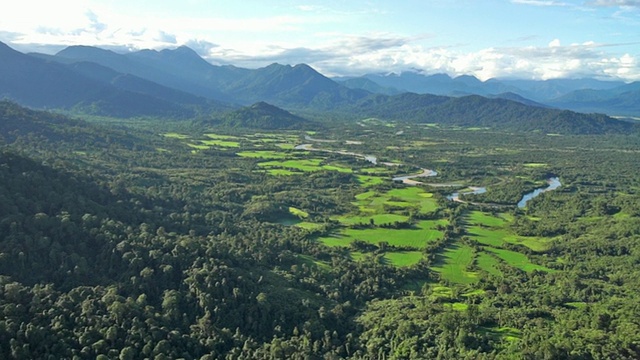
(259, 41)
(356, 55)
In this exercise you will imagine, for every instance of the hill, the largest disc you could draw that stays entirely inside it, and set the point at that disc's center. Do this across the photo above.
(262, 116)
(623, 100)
(478, 111)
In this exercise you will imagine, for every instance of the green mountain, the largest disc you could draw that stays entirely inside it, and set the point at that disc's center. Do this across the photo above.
(262, 116)
(90, 88)
(623, 100)
(292, 86)
(180, 84)
(478, 111)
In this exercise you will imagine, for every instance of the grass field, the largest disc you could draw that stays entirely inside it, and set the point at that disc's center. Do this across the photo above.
(374, 202)
(488, 263)
(403, 258)
(304, 165)
(378, 219)
(199, 146)
(517, 260)
(416, 237)
(221, 143)
(367, 181)
(453, 262)
(493, 230)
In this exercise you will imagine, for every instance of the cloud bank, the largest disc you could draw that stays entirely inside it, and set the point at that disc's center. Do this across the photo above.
(287, 39)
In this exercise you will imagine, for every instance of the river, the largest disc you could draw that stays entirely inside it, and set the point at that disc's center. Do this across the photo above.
(553, 182)
(474, 190)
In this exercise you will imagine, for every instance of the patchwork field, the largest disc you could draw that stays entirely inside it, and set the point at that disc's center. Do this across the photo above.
(493, 230)
(383, 216)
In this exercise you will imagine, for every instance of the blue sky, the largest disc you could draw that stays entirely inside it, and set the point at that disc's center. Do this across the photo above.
(538, 39)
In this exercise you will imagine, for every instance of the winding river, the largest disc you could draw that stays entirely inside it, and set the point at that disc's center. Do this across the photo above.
(554, 182)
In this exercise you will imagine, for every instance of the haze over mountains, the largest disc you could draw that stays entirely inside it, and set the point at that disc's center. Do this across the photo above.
(178, 83)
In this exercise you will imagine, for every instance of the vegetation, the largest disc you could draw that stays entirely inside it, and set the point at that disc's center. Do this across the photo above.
(111, 248)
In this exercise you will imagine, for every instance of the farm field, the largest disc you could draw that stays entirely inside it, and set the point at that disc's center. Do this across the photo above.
(416, 237)
(493, 230)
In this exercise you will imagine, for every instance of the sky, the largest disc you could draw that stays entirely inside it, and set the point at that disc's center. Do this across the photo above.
(530, 39)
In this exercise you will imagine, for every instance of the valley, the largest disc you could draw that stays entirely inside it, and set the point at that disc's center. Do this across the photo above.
(138, 220)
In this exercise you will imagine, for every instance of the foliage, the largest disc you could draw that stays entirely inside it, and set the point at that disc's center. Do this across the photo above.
(110, 248)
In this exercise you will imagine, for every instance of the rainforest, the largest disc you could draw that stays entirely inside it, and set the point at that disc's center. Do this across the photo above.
(257, 234)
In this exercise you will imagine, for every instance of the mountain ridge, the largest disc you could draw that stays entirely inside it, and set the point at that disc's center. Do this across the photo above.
(115, 92)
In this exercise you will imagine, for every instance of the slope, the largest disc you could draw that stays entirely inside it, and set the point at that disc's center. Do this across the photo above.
(42, 84)
(478, 111)
(262, 116)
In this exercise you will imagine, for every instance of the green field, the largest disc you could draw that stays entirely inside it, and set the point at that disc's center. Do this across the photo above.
(517, 260)
(416, 237)
(488, 263)
(304, 165)
(452, 264)
(375, 202)
(367, 181)
(221, 143)
(378, 219)
(403, 258)
(493, 230)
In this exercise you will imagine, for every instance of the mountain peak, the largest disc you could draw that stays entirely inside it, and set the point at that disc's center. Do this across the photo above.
(262, 115)
(181, 50)
(82, 50)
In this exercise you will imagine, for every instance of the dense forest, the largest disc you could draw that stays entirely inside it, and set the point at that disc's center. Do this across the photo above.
(159, 239)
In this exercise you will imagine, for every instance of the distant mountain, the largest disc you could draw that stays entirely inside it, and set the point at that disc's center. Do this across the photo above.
(545, 90)
(443, 84)
(437, 84)
(182, 68)
(262, 116)
(91, 88)
(177, 69)
(294, 86)
(35, 82)
(622, 100)
(478, 111)
(179, 83)
(369, 85)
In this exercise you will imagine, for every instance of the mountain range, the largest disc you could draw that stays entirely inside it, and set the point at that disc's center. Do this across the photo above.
(178, 83)
(584, 95)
